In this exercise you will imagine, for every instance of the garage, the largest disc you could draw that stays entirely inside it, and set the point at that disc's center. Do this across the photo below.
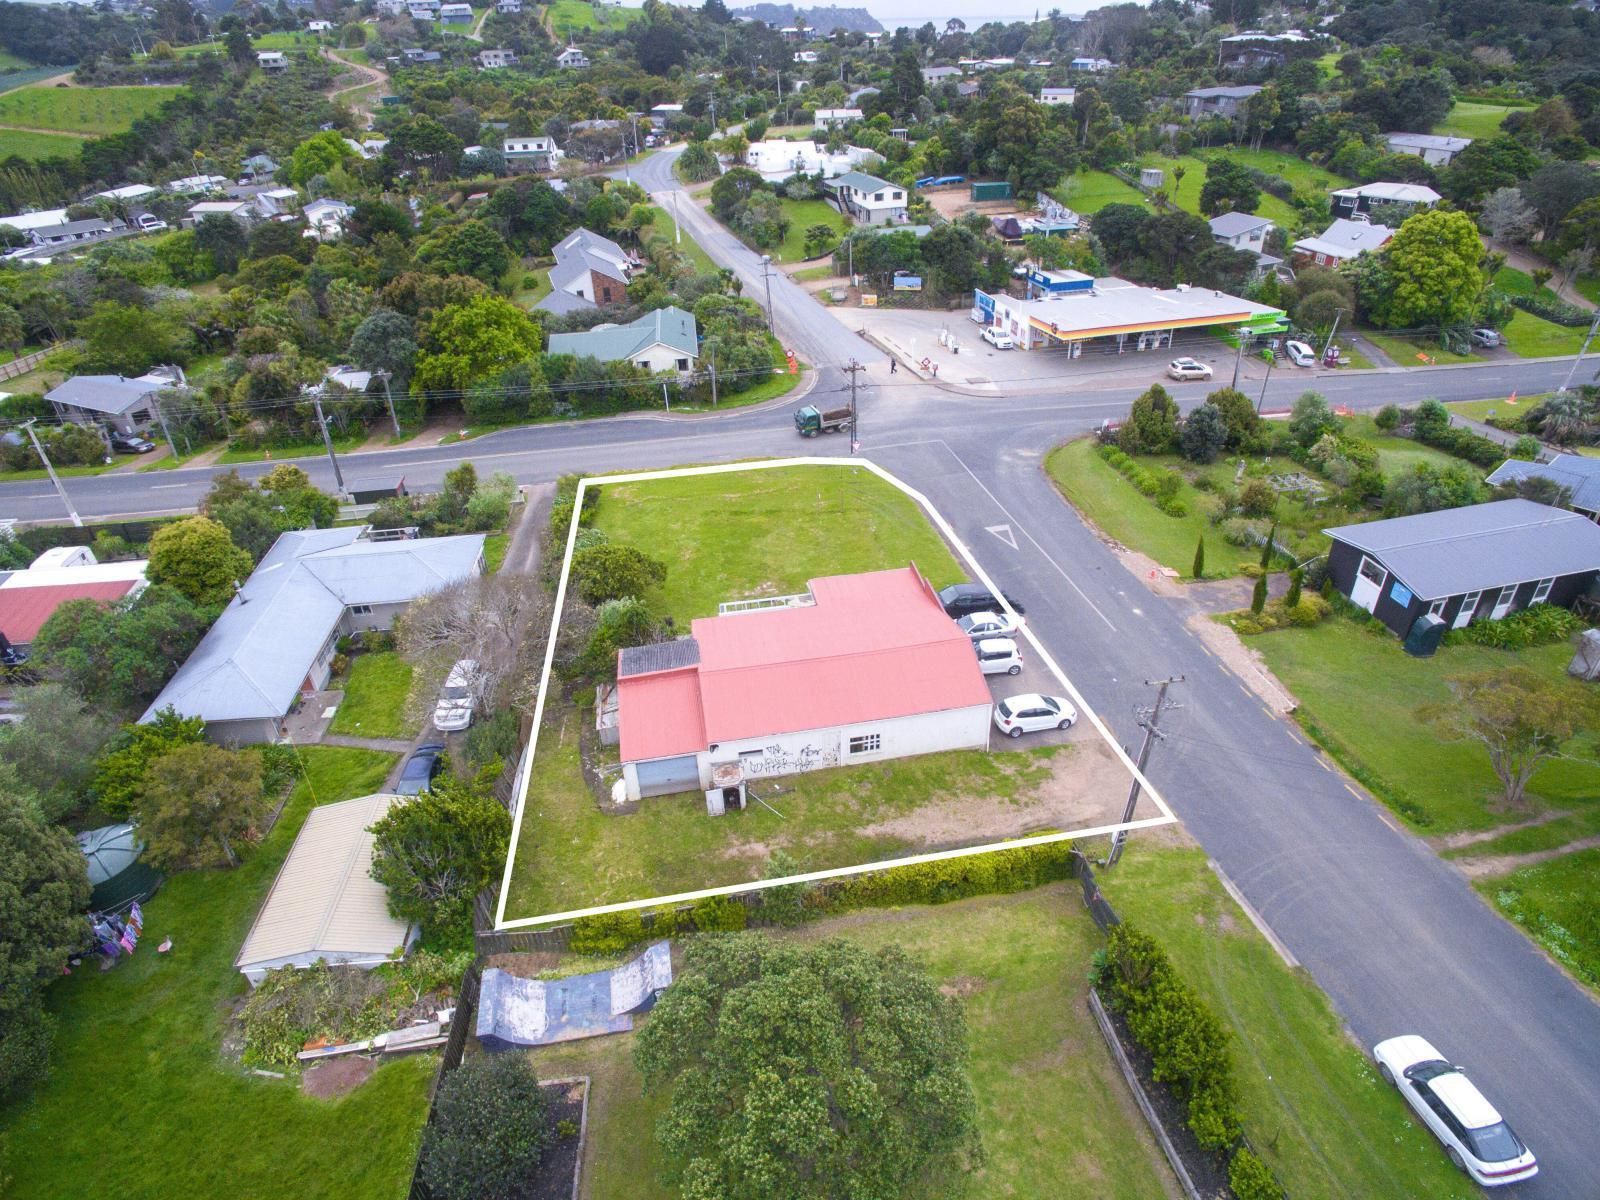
(664, 776)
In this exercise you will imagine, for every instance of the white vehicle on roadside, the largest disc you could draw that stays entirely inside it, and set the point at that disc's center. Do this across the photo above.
(459, 698)
(1031, 712)
(1300, 354)
(998, 656)
(1475, 1136)
(1187, 368)
(996, 337)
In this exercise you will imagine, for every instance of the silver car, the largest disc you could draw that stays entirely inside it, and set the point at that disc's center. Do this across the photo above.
(980, 625)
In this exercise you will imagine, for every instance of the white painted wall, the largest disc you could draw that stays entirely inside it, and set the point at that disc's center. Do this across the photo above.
(899, 737)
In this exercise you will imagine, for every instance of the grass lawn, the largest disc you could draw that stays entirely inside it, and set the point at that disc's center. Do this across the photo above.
(1089, 191)
(137, 1060)
(1481, 410)
(766, 533)
(1588, 286)
(285, 40)
(38, 146)
(1554, 903)
(344, 443)
(1473, 119)
(1313, 1105)
(1302, 175)
(813, 274)
(494, 551)
(779, 383)
(565, 16)
(662, 220)
(803, 214)
(1039, 1067)
(1406, 351)
(540, 278)
(374, 703)
(1187, 197)
(82, 110)
(1438, 786)
(1534, 337)
(10, 62)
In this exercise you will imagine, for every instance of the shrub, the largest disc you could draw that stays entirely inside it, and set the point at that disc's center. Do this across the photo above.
(1199, 569)
(1558, 311)
(607, 933)
(489, 1130)
(1258, 499)
(1539, 625)
(1252, 1179)
(1388, 417)
(996, 873)
(291, 1006)
(339, 664)
(718, 914)
(1258, 598)
(1526, 448)
(1296, 582)
(566, 1128)
(1239, 532)
(1174, 507)
(1310, 610)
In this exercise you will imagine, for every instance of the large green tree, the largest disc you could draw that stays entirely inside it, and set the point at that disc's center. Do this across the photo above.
(317, 155)
(471, 248)
(488, 1131)
(128, 340)
(820, 1072)
(197, 556)
(1434, 271)
(198, 803)
(53, 747)
(120, 654)
(469, 343)
(119, 773)
(611, 571)
(1229, 187)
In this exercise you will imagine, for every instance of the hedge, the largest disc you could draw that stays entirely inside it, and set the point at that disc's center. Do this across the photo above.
(1557, 311)
(1537, 625)
(1158, 483)
(995, 872)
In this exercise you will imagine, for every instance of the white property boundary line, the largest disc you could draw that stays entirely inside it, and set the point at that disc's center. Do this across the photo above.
(525, 769)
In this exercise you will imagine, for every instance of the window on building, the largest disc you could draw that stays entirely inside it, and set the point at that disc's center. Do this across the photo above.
(1541, 593)
(361, 610)
(683, 364)
(866, 743)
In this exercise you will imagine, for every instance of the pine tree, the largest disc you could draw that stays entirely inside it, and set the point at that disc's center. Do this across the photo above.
(1296, 578)
(1200, 558)
(1266, 549)
(1258, 601)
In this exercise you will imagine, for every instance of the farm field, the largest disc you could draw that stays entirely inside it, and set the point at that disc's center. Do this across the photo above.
(563, 16)
(84, 111)
(37, 145)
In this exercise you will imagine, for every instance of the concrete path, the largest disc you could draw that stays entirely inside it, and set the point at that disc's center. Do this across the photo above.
(387, 745)
(522, 554)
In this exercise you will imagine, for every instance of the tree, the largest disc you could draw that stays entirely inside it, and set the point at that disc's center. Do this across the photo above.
(1311, 418)
(1507, 216)
(1238, 413)
(199, 801)
(488, 1132)
(471, 248)
(610, 572)
(471, 342)
(317, 155)
(386, 341)
(1205, 433)
(53, 747)
(1426, 488)
(12, 331)
(1555, 189)
(223, 238)
(436, 852)
(198, 558)
(1487, 164)
(801, 1072)
(1152, 426)
(1199, 569)
(44, 888)
(491, 619)
(1258, 596)
(1297, 579)
(1229, 187)
(1432, 264)
(120, 654)
(1521, 718)
(698, 163)
(119, 773)
(129, 341)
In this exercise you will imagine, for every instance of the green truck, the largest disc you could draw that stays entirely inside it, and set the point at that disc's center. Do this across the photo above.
(810, 420)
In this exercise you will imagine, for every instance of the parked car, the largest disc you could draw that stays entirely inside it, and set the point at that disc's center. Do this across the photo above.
(1475, 1136)
(1300, 354)
(1187, 368)
(417, 775)
(458, 699)
(998, 656)
(1031, 712)
(1486, 337)
(981, 625)
(959, 599)
(151, 223)
(131, 443)
(998, 338)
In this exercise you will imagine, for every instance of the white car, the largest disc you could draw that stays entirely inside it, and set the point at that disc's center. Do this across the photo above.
(1188, 368)
(998, 656)
(459, 698)
(980, 625)
(998, 338)
(1486, 337)
(1475, 1136)
(1300, 354)
(1017, 715)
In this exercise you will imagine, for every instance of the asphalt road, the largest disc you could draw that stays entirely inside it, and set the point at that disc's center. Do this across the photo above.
(1393, 934)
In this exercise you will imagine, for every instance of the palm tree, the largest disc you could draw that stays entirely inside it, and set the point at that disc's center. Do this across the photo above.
(1178, 172)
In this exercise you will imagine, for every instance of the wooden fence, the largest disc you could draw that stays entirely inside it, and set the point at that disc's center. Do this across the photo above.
(27, 362)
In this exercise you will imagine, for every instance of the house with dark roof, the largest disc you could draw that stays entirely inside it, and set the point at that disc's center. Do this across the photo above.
(664, 340)
(121, 405)
(1225, 102)
(1435, 149)
(868, 199)
(1357, 201)
(275, 641)
(91, 229)
(1577, 475)
(1477, 563)
(857, 669)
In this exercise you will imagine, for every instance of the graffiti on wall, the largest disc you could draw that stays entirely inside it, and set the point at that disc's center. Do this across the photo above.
(778, 759)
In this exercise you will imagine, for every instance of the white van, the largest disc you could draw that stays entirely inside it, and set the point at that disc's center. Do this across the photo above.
(997, 337)
(1300, 354)
(999, 656)
(459, 698)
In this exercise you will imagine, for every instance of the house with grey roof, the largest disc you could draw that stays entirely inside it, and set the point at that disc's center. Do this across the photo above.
(868, 199)
(590, 270)
(1435, 149)
(1340, 242)
(120, 405)
(1461, 565)
(1357, 201)
(276, 639)
(664, 340)
(934, 76)
(1577, 475)
(1247, 232)
(68, 233)
(531, 153)
(1225, 102)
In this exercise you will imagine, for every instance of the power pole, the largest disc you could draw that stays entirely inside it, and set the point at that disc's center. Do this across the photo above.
(1149, 720)
(766, 277)
(51, 471)
(1327, 345)
(161, 417)
(1238, 358)
(1566, 383)
(327, 441)
(383, 377)
(713, 375)
(855, 439)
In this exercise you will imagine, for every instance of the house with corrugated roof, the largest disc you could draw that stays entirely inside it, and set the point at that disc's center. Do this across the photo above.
(664, 340)
(110, 401)
(857, 669)
(276, 639)
(1577, 475)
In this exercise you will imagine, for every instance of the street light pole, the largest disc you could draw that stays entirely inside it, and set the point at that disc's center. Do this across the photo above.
(1593, 325)
(1271, 358)
(1238, 359)
(51, 471)
(766, 277)
(1337, 313)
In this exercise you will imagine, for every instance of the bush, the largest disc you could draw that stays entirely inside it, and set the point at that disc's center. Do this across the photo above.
(1539, 625)
(566, 1128)
(292, 1006)
(995, 873)
(1258, 499)
(1252, 1179)
(607, 933)
(1388, 417)
(718, 914)
(1174, 507)
(1237, 531)
(488, 1132)
(1310, 610)
(1557, 311)
(1526, 448)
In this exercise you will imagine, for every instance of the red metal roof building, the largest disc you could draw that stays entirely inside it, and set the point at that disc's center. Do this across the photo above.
(24, 610)
(837, 672)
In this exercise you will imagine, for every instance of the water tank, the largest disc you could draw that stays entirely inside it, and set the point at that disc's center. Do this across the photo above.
(1426, 634)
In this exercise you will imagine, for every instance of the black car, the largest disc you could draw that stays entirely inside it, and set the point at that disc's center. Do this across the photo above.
(130, 443)
(417, 775)
(962, 599)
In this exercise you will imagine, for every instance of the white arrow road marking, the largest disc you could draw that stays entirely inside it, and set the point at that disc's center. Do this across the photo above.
(1003, 532)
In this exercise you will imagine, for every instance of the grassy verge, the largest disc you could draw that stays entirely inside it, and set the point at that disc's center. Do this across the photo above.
(374, 703)
(1482, 410)
(813, 274)
(345, 443)
(1554, 903)
(137, 1051)
(65, 472)
(1408, 352)
(661, 220)
(1533, 337)
(494, 552)
(1038, 1065)
(1441, 787)
(780, 383)
(727, 537)
(1313, 1105)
